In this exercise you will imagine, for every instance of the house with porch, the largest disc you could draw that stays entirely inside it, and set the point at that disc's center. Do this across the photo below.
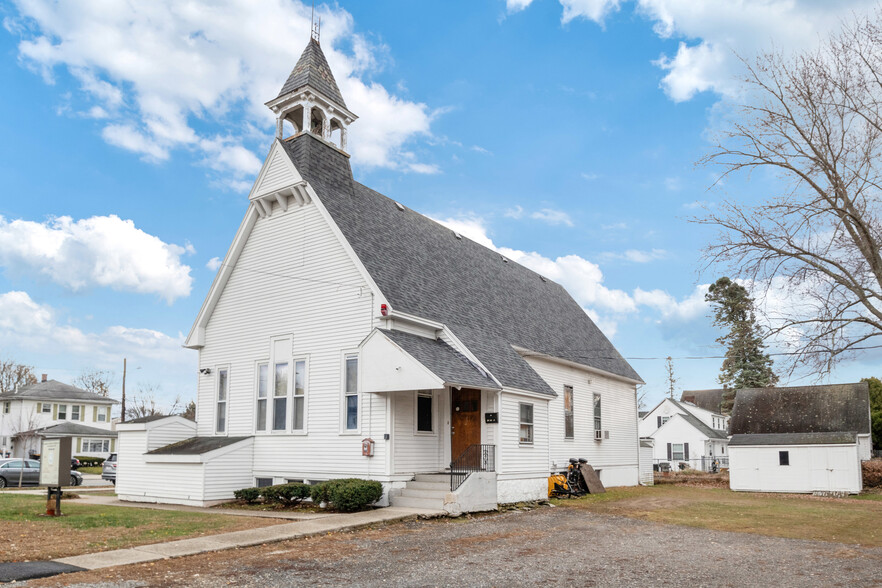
(347, 335)
(686, 435)
(30, 411)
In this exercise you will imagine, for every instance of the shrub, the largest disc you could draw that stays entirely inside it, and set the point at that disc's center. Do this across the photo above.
(89, 461)
(291, 493)
(322, 492)
(355, 494)
(872, 473)
(249, 495)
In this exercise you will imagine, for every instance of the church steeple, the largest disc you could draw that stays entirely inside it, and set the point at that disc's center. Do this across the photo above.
(311, 101)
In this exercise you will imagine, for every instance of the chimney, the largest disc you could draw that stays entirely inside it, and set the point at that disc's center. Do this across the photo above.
(45, 377)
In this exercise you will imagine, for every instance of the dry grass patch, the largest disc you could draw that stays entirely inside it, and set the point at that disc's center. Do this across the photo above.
(85, 528)
(794, 516)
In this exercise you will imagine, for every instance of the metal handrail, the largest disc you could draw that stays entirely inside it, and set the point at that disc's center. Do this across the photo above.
(476, 458)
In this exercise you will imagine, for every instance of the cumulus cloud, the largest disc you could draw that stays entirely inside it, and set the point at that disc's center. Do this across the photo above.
(636, 255)
(553, 217)
(596, 10)
(517, 5)
(214, 263)
(157, 68)
(98, 251)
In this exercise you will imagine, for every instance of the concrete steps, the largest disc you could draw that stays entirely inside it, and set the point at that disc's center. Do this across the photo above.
(424, 491)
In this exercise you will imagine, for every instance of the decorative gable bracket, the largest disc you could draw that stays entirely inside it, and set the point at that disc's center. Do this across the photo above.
(292, 196)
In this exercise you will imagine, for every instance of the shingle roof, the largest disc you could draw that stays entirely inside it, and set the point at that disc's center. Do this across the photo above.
(71, 429)
(312, 69)
(424, 269)
(442, 359)
(196, 445)
(55, 390)
(803, 409)
(705, 430)
(794, 439)
(707, 399)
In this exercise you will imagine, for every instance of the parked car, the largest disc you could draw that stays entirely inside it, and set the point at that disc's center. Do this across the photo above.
(74, 463)
(108, 470)
(29, 472)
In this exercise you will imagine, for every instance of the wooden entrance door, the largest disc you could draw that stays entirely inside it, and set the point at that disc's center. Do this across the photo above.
(465, 420)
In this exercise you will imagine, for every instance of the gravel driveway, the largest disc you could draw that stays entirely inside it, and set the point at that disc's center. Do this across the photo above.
(544, 546)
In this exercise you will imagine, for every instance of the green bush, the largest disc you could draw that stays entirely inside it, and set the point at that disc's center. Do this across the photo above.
(249, 495)
(90, 461)
(355, 494)
(291, 493)
(322, 492)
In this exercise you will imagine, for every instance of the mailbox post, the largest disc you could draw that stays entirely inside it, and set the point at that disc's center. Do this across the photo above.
(54, 471)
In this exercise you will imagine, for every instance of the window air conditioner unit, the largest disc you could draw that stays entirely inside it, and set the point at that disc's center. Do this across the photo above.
(598, 435)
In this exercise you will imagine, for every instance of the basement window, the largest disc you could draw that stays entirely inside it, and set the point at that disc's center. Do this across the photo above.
(263, 482)
(784, 458)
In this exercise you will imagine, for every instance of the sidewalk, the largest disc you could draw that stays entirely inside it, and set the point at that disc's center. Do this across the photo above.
(318, 523)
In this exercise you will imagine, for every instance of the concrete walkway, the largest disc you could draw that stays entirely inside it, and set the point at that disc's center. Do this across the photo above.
(317, 524)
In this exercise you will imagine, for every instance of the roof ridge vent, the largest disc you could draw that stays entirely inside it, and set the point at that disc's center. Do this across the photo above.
(504, 259)
(399, 205)
(544, 279)
(457, 235)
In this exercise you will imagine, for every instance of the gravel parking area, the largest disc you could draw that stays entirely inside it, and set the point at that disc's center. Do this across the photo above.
(546, 545)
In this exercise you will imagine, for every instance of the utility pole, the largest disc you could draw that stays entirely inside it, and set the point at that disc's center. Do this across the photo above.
(122, 417)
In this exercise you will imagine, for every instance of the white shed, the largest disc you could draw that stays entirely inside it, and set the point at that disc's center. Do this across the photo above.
(795, 462)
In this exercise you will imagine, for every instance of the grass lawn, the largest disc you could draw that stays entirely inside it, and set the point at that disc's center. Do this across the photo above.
(25, 535)
(779, 515)
(90, 470)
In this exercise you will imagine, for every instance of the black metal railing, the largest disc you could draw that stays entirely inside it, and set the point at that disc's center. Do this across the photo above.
(476, 458)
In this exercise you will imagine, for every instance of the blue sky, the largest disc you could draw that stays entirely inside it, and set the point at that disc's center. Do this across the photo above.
(564, 133)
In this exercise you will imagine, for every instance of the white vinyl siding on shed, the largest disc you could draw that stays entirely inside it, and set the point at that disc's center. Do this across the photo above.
(811, 468)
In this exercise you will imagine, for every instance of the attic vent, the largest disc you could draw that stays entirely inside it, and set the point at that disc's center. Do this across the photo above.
(543, 278)
(504, 260)
(399, 206)
(457, 235)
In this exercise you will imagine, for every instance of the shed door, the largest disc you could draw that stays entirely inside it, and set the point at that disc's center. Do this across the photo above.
(465, 420)
(820, 474)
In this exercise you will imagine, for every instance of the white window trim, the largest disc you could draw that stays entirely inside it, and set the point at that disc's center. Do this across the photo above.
(347, 354)
(572, 412)
(268, 398)
(46, 408)
(594, 398)
(294, 361)
(674, 452)
(58, 416)
(532, 424)
(271, 413)
(416, 413)
(215, 383)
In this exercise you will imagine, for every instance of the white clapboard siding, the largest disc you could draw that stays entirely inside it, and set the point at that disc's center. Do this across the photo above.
(518, 458)
(416, 452)
(168, 433)
(277, 174)
(616, 456)
(228, 472)
(811, 468)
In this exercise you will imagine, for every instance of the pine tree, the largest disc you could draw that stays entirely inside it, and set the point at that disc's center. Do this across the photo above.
(746, 365)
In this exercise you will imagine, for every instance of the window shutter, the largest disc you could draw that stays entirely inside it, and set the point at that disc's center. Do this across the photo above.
(79, 444)
(659, 421)
(686, 451)
(39, 407)
(113, 445)
(54, 412)
(94, 414)
(108, 414)
(83, 412)
(669, 452)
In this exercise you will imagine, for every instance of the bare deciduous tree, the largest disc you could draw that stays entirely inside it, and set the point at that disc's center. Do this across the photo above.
(816, 119)
(13, 375)
(143, 403)
(95, 381)
(670, 378)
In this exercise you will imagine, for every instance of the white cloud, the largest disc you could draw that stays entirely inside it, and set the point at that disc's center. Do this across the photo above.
(614, 227)
(636, 255)
(517, 5)
(596, 10)
(589, 176)
(157, 67)
(214, 263)
(516, 212)
(97, 251)
(553, 217)
(690, 308)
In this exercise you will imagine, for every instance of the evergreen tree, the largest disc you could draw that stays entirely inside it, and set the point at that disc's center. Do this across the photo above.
(875, 410)
(746, 365)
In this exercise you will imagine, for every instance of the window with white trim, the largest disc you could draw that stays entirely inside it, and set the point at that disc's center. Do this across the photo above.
(350, 392)
(262, 394)
(75, 412)
(223, 385)
(6, 407)
(280, 396)
(46, 407)
(102, 414)
(96, 445)
(424, 412)
(598, 422)
(526, 422)
(62, 412)
(677, 453)
(299, 402)
(569, 421)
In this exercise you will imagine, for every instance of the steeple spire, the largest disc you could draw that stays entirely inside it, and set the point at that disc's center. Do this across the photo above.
(310, 99)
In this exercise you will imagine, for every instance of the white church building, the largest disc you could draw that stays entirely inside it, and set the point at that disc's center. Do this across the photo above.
(347, 335)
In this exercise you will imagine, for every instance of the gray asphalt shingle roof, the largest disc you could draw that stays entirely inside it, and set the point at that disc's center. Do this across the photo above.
(196, 445)
(794, 439)
(802, 409)
(424, 269)
(442, 359)
(312, 69)
(707, 399)
(55, 390)
(71, 429)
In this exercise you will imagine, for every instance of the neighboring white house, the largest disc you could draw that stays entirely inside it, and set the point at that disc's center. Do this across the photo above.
(346, 335)
(25, 413)
(686, 434)
(800, 439)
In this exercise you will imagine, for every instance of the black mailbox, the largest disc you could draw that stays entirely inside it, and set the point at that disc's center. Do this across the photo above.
(491, 417)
